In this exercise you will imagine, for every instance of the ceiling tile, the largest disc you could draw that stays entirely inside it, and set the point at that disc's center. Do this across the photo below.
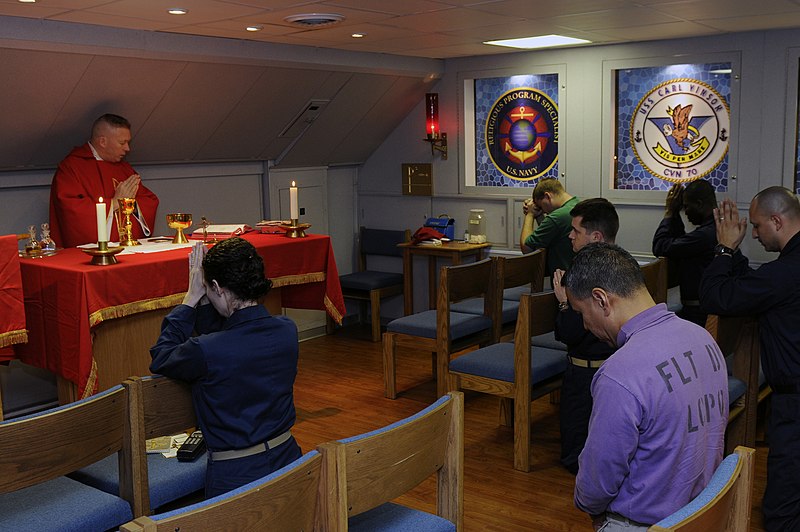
(450, 19)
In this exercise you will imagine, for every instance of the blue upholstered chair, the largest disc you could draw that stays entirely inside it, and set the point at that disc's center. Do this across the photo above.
(287, 499)
(443, 331)
(369, 470)
(519, 275)
(36, 451)
(159, 407)
(516, 370)
(371, 285)
(724, 505)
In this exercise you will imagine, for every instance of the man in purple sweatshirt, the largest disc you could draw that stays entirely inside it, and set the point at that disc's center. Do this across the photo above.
(660, 401)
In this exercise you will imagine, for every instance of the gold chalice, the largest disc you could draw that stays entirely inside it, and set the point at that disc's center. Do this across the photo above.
(126, 207)
(179, 221)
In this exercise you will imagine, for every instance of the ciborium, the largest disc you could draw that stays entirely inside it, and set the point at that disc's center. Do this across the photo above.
(179, 221)
(126, 207)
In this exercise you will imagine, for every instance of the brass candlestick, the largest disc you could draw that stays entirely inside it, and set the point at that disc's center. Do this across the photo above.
(179, 221)
(295, 229)
(103, 255)
(126, 207)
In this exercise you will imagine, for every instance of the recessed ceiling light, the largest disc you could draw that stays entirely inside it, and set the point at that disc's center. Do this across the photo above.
(542, 41)
(28, 1)
(315, 20)
(177, 11)
(358, 35)
(255, 27)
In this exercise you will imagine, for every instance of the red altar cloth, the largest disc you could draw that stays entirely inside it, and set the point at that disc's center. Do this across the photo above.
(12, 313)
(65, 295)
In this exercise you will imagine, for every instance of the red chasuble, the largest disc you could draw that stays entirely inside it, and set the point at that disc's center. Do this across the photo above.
(79, 181)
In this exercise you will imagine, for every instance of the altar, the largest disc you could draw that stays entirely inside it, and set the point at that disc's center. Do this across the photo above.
(93, 326)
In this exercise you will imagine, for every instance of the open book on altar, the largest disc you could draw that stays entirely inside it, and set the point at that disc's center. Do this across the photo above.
(222, 231)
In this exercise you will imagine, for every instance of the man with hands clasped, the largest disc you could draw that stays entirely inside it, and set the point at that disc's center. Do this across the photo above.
(689, 253)
(98, 169)
(772, 294)
(593, 220)
(548, 210)
(241, 367)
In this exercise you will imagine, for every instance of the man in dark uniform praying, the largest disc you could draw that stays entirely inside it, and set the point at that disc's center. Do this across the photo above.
(689, 253)
(771, 293)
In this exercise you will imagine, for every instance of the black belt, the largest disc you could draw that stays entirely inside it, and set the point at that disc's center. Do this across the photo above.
(585, 362)
(785, 388)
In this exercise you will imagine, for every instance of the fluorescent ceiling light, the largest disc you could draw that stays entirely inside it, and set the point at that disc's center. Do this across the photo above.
(542, 41)
(721, 71)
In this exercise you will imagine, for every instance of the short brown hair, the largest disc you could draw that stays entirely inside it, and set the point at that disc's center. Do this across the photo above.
(551, 185)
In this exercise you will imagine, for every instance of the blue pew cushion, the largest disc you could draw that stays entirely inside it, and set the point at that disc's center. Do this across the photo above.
(515, 292)
(238, 491)
(370, 280)
(549, 341)
(736, 389)
(167, 478)
(62, 504)
(475, 306)
(394, 517)
(423, 324)
(718, 480)
(497, 362)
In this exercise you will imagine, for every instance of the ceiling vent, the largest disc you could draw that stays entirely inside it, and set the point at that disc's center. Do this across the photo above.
(304, 119)
(315, 20)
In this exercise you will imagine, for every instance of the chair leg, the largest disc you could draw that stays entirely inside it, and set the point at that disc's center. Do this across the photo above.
(389, 370)
(375, 317)
(522, 435)
(506, 412)
(555, 397)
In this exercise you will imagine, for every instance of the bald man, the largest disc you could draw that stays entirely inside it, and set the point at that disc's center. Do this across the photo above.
(98, 169)
(772, 294)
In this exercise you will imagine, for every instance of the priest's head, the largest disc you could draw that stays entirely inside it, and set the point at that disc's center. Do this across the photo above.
(111, 137)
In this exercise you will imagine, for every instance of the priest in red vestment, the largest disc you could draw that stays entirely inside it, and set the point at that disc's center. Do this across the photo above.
(97, 169)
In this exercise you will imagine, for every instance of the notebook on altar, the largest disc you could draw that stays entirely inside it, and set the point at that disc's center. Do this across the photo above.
(222, 230)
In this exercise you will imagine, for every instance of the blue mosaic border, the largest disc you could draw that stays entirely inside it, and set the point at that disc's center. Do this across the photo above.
(632, 84)
(487, 91)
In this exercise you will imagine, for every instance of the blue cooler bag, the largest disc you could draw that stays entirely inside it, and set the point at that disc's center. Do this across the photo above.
(444, 224)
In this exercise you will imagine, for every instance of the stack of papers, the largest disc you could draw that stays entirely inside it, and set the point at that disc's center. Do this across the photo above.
(166, 445)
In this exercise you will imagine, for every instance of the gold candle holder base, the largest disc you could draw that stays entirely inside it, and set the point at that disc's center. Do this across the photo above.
(103, 255)
(131, 242)
(295, 229)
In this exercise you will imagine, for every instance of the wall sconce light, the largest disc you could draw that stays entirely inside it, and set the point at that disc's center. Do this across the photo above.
(437, 139)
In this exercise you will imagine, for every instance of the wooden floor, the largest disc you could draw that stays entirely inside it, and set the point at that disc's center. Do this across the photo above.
(339, 393)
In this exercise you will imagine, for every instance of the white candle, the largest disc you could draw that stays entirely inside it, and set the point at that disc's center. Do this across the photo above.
(293, 210)
(102, 234)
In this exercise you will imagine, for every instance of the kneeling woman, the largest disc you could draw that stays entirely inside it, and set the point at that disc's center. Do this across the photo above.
(242, 366)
